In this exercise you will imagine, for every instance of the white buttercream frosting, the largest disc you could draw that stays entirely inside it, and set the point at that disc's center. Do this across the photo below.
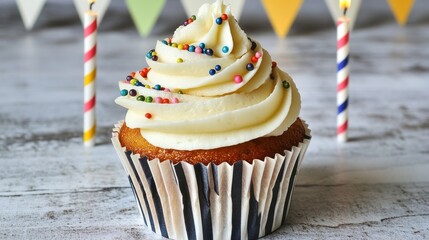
(213, 110)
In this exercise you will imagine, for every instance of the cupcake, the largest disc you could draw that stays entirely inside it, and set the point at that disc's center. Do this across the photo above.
(212, 140)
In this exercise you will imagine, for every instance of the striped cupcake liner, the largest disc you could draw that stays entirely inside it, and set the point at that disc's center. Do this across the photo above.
(239, 201)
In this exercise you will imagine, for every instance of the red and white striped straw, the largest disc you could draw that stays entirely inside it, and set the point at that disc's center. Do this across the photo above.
(343, 73)
(90, 69)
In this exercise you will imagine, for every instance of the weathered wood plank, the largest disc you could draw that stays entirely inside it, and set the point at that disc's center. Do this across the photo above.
(337, 211)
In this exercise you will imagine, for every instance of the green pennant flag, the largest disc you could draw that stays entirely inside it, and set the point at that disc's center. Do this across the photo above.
(145, 13)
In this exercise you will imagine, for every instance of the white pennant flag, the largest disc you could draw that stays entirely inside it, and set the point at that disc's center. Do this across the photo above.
(336, 12)
(192, 6)
(30, 11)
(100, 7)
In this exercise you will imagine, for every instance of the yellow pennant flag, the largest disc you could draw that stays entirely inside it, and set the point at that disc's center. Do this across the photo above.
(401, 9)
(282, 14)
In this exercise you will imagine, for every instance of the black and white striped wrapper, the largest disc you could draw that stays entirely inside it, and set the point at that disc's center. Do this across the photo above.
(239, 201)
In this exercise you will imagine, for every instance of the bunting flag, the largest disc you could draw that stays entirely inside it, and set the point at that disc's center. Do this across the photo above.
(401, 10)
(192, 6)
(145, 13)
(352, 12)
(100, 7)
(30, 11)
(282, 14)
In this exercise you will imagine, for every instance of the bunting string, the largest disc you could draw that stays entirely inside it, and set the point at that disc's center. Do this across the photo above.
(281, 14)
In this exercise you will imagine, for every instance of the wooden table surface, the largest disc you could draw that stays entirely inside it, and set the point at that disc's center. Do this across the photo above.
(376, 186)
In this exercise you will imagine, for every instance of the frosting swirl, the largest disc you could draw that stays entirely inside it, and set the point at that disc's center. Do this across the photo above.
(228, 95)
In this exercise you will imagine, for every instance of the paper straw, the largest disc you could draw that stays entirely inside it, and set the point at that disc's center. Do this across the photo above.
(342, 78)
(90, 69)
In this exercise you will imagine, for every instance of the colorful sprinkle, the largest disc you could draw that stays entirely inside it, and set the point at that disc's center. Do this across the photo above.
(157, 87)
(129, 78)
(144, 72)
(273, 64)
(225, 49)
(209, 51)
(174, 45)
(191, 48)
(124, 92)
(149, 99)
(286, 84)
(224, 17)
(164, 42)
(132, 93)
(254, 59)
(198, 50)
(193, 17)
(185, 23)
(155, 58)
(202, 45)
(238, 79)
(148, 115)
(175, 100)
(133, 82)
(140, 98)
(165, 100)
(212, 72)
(258, 54)
(149, 55)
(180, 46)
(179, 60)
(219, 21)
(186, 47)
(253, 46)
(190, 20)
(147, 86)
(133, 74)
(218, 67)
(250, 67)
(158, 100)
